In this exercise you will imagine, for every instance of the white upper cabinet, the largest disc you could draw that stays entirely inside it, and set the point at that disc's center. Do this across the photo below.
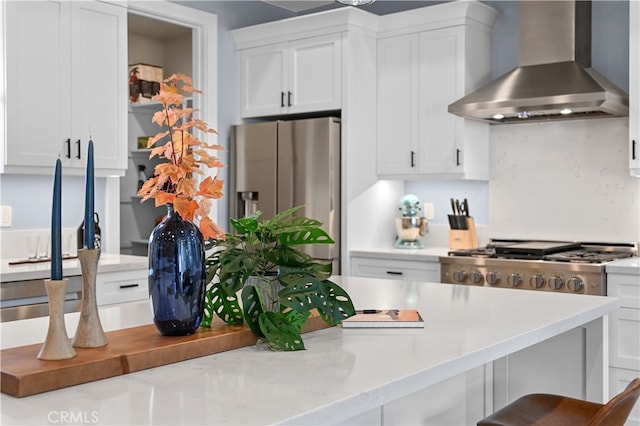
(427, 59)
(634, 88)
(66, 83)
(292, 77)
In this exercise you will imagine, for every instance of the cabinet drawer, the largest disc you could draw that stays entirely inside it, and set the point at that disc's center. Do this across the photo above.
(624, 345)
(398, 269)
(119, 287)
(626, 288)
(619, 379)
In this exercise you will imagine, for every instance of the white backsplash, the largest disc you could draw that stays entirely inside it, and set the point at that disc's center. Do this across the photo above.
(563, 181)
(14, 244)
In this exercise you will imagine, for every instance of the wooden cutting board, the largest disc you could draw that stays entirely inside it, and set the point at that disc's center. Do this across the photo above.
(128, 350)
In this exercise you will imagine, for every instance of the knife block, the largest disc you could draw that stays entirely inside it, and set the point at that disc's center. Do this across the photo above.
(464, 239)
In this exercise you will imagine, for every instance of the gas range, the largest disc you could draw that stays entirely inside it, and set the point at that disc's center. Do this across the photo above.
(557, 266)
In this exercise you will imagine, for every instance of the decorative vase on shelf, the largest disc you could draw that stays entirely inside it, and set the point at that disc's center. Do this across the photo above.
(177, 275)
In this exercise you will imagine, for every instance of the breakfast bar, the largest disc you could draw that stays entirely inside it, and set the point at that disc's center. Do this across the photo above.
(344, 376)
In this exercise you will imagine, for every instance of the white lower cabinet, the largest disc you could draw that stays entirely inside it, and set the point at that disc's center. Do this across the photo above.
(120, 287)
(410, 270)
(624, 335)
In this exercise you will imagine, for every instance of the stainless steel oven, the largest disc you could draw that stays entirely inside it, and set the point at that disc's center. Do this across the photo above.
(556, 266)
(28, 299)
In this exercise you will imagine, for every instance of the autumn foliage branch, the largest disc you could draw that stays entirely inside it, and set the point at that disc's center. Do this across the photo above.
(174, 181)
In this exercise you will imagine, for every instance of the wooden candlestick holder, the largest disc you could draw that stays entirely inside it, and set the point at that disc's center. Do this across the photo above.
(89, 333)
(56, 345)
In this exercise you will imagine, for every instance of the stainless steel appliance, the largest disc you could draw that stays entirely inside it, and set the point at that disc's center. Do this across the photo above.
(567, 267)
(282, 164)
(28, 299)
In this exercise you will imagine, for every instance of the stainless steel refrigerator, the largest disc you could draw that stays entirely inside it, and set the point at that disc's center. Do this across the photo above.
(281, 164)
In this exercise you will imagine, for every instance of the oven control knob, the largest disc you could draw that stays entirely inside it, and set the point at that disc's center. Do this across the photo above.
(493, 278)
(515, 280)
(536, 281)
(460, 276)
(556, 283)
(476, 277)
(575, 284)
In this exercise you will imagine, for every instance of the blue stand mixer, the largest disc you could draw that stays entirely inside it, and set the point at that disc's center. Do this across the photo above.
(410, 226)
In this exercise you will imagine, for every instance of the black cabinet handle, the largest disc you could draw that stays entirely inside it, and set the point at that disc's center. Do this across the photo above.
(633, 149)
(68, 142)
(413, 158)
(457, 157)
(289, 98)
(282, 99)
(395, 273)
(78, 144)
(129, 285)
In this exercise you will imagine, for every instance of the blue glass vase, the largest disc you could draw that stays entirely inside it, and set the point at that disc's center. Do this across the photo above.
(177, 275)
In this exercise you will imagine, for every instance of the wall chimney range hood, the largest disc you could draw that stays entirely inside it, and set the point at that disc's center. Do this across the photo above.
(554, 79)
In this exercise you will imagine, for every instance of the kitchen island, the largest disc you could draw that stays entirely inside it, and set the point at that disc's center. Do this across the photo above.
(344, 376)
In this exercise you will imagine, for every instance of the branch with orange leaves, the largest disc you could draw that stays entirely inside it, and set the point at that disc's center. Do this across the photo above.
(173, 181)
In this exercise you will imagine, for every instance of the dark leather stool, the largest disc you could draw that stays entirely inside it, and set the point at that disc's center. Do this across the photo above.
(554, 410)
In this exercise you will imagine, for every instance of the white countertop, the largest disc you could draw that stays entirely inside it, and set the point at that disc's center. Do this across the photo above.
(629, 266)
(343, 372)
(70, 267)
(429, 254)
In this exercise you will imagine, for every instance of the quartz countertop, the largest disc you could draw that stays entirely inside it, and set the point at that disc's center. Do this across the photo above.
(343, 372)
(630, 266)
(429, 254)
(70, 267)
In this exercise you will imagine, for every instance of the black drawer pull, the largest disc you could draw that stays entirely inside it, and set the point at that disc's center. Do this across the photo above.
(78, 145)
(395, 273)
(129, 285)
(68, 142)
(633, 149)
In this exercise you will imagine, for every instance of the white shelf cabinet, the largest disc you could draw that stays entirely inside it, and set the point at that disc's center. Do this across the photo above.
(292, 77)
(624, 329)
(634, 88)
(423, 66)
(66, 83)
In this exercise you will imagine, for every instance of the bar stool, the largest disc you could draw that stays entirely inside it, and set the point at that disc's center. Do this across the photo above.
(554, 410)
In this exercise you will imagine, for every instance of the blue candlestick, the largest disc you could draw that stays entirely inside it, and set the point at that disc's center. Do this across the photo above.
(56, 224)
(89, 227)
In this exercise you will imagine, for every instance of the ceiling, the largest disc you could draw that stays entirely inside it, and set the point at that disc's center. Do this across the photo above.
(298, 5)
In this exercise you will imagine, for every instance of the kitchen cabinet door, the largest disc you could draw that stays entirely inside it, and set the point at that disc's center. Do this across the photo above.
(634, 88)
(442, 62)
(294, 77)
(66, 83)
(397, 124)
(419, 75)
(315, 74)
(263, 77)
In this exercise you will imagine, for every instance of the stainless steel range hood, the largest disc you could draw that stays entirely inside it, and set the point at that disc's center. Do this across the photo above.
(554, 79)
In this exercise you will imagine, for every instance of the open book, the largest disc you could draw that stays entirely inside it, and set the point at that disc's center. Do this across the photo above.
(384, 318)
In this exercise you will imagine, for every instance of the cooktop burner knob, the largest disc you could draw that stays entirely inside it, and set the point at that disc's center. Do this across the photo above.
(556, 283)
(536, 281)
(575, 284)
(476, 277)
(460, 276)
(493, 278)
(515, 280)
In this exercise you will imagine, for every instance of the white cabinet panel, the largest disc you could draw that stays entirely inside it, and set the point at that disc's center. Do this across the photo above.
(625, 338)
(120, 287)
(66, 83)
(619, 379)
(634, 88)
(396, 269)
(419, 75)
(294, 77)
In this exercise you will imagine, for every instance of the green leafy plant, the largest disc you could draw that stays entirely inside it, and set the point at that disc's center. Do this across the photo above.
(266, 250)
